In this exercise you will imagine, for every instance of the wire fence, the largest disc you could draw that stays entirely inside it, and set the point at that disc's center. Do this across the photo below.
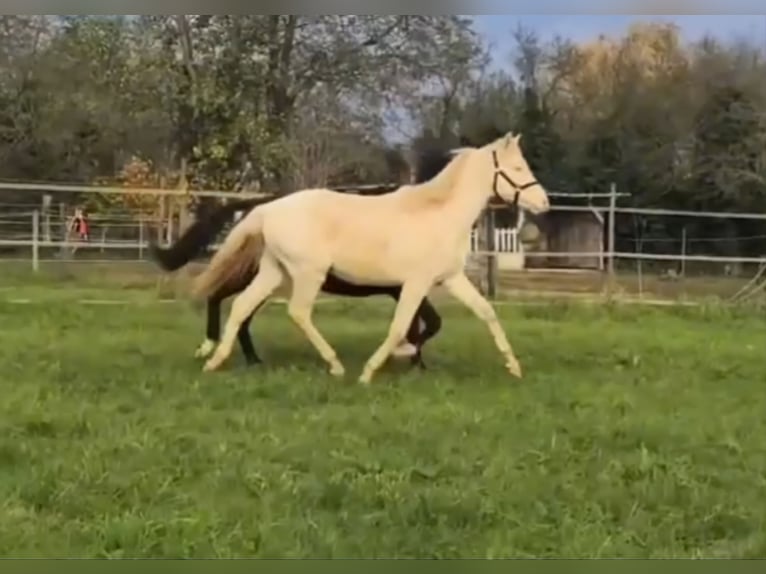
(40, 237)
(612, 262)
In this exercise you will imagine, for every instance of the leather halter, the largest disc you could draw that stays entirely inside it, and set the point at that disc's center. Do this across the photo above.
(519, 188)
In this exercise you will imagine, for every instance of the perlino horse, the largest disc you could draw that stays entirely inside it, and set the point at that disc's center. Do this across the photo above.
(416, 237)
(200, 234)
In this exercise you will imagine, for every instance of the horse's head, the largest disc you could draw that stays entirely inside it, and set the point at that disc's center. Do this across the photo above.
(513, 180)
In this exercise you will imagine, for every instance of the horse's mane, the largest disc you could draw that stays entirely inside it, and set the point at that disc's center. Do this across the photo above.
(431, 173)
(435, 156)
(434, 190)
(430, 163)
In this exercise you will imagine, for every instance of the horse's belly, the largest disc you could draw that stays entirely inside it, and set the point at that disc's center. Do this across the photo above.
(366, 272)
(391, 266)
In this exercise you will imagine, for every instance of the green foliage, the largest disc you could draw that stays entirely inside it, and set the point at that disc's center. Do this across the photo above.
(282, 101)
(541, 143)
(729, 143)
(676, 126)
(85, 94)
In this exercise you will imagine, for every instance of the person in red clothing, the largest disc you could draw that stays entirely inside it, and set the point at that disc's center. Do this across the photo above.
(79, 225)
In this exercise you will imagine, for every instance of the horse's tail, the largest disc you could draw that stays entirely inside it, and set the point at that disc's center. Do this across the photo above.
(237, 256)
(199, 235)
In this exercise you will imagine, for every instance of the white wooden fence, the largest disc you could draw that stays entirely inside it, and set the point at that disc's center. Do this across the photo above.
(506, 240)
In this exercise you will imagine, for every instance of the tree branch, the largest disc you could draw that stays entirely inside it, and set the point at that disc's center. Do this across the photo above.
(186, 47)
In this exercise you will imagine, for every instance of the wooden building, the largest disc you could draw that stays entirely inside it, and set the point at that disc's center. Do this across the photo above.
(568, 232)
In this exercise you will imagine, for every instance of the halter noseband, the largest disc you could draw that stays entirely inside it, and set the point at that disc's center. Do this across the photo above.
(501, 173)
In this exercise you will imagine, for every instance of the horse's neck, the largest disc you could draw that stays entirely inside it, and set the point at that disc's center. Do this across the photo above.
(456, 197)
(469, 197)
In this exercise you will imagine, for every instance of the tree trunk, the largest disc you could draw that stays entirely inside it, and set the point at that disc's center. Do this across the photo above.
(279, 99)
(187, 133)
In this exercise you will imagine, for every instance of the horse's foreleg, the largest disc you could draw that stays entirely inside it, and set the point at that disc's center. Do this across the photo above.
(409, 345)
(305, 290)
(409, 300)
(464, 291)
(268, 278)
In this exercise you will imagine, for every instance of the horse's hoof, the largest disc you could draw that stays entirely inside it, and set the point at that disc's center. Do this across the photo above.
(206, 347)
(337, 370)
(417, 361)
(211, 365)
(514, 368)
(404, 350)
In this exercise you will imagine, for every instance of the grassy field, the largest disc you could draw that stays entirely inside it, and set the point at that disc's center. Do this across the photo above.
(636, 432)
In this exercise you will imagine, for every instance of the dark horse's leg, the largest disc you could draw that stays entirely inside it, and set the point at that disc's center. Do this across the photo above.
(432, 324)
(431, 319)
(213, 328)
(245, 342)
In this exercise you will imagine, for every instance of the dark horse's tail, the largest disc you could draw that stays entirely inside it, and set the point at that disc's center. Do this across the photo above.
(200, 234)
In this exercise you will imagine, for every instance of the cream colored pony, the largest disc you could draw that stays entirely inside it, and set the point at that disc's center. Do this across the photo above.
(416, 236)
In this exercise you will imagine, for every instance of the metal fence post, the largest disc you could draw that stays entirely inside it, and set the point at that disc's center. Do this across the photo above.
(36, 240)
(47, 202)
(611, 239)
(141, 238)
(491, 257)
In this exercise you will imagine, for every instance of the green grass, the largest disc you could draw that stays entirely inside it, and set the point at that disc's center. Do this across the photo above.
(635, 433)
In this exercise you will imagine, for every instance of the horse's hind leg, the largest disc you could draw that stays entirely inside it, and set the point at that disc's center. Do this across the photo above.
(213, 327)
(213, 333)
(305, 290)
(268, 278)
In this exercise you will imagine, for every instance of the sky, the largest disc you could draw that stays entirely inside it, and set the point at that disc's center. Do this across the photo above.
(496, 27)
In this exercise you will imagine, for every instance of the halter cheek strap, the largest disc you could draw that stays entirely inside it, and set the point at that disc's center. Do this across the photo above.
(500, 173)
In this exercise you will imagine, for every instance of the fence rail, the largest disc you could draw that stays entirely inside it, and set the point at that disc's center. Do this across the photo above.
(38, 234)
(23, 230)
(113, 190)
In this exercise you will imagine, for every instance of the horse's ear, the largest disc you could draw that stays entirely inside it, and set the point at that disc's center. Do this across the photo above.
(517, 139)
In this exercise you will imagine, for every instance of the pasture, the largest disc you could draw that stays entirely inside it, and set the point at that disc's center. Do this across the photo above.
(636, 432)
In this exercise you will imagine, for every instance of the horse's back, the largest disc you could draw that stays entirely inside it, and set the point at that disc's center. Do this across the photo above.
(316, 208)
(364, 239)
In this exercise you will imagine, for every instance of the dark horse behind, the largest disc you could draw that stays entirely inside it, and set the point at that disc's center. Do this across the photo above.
(208, 225)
